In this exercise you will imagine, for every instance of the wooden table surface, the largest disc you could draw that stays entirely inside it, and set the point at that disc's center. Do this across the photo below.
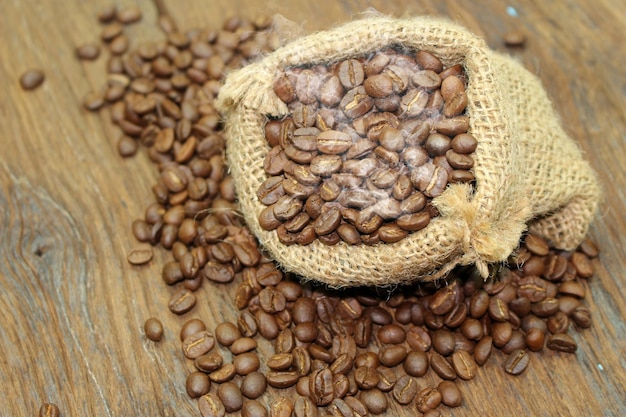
(72, 308)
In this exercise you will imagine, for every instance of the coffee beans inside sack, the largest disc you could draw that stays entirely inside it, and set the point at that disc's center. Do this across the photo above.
(368, 143)
(387, 150)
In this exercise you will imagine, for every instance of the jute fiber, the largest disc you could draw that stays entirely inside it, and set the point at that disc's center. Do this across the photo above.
(529, 173)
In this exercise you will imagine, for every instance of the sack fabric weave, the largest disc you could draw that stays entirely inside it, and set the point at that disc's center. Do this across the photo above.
(529, 174)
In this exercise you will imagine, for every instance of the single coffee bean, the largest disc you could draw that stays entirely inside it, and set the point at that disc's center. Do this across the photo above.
(153, 328)
(514, 38)
(321, 389)
(443, 341)
(450, 394)
(442, 367)
(428, 399)
(391, 334)
(246, 363)
(211, 406)
(562, 342)
(282, 379)
(197, 384)
(351, 73)
(416, 363)
(281, 407)
(517, 362)
(182, 302)
(49, 410)
(464, 365)
(198, 344)
(31, 79)
(253, 408)
(128, 14)
(304, 407)
(375, 400)
(191, 327)
(88, 51)
(582, 317)
(483, 350)
(230, 395)
(209, 362)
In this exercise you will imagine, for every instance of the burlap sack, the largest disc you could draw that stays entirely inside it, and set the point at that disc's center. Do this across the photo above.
(529, 173)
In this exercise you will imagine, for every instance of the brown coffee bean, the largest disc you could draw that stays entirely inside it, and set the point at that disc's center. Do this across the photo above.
(209, 362)
(366, 378)
(253, 385)
(428, 61)
(464, 365)
(418, 338)
(281, 407)
(31, 79)
(182, 302)
(514, 38)
(88, 51)
(321, 389)
(582, 264)
(191, 327)
(246, 363)
(282, 379)
(374, 400)
(331, 91)
(49, 410)
(198, 344)
(153, 328)
(226, 373)
(428, 399)
(230, 395)
(483, 350)
(450, 394)
(333, 142)
(517, 362)
(253, 408)
(129, 14)
(356, 102)
(285, 88)
(378, 85)
(562, 342)
(416, 363)
(351, 73)
(211, 406)
(197, 384)
(307, 86)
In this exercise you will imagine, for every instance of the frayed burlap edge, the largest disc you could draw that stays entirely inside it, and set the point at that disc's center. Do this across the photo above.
(475, 226)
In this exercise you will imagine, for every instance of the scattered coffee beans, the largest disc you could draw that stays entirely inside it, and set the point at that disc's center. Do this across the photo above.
(358, 160)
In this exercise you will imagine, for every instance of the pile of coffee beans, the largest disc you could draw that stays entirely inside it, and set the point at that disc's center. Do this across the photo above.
(368, 144)
(349, 352)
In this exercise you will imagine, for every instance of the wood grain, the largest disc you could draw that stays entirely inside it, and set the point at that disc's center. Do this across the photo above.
(71, 307)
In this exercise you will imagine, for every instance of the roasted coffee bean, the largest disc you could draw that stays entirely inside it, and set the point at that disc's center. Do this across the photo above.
(182, 302)
(198, 344)
(209, 362)
(282, 379)
(304, 407)
(351, 73)
(230, 395)
(375, 401)
(226, 373)
(562, 342)
(416, 363)
(31, 79)
(321, 389)
(366, 378)
(191, 327)
(405, 390)
(419, 338)
(253, 408)
(153, 328)
(450, 394)
(517, 362)
(582, 317)
(464, 365)
(197, 384)
(281, 407)
(246, 363)
(49, 410)
(428, 399)
(514, 38)
(211, 406)
(391, 334)
(441, 366)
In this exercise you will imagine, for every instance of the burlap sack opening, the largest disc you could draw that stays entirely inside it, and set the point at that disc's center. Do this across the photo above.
(529, 173)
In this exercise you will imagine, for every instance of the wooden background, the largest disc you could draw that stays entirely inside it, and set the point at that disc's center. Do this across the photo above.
(72, 308)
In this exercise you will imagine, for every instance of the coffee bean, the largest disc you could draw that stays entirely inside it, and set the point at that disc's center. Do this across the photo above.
(304, 407)
(197, 384)
(209, 362)
(31, 79)
(49, 410)
(321, 389)
(282, 379)
(391, 333)
(198, 344)
(562, 342)
(281, 407)
(246, 363)
(128, 14)
(428, 399)
(88, 51)
(517, 362)
(211, 406)
(416, 363)
(153, 328)
(464, 365)
(351, 73)
(450, 394)
(514, 38)
(230, 395)
(253, 408)
(582, 317)
(375, 401)
(191, 327)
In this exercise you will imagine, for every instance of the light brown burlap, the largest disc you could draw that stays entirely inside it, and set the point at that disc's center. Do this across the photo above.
(529, 173)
